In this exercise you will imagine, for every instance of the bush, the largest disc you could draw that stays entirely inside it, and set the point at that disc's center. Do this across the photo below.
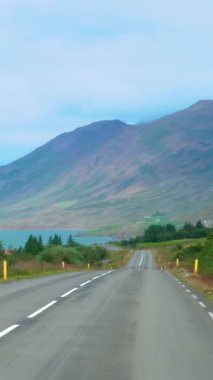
(190, 253)
(94, 254)
(54, 255)
(206, 256)
(78, 255)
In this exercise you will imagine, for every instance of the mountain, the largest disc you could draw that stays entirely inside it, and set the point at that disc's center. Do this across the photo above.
(110, 172)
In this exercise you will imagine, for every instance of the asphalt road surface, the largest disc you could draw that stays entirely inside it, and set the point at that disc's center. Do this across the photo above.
(131, 324)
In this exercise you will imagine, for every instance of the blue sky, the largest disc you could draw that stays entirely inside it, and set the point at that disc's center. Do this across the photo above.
(67, 63)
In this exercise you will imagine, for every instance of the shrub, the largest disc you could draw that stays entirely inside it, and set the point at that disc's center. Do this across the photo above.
(206, 256)
(73, 255)
(94, 254)
(54, 254)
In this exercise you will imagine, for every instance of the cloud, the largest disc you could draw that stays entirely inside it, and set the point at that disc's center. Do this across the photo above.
(66, 63)
(167, 12)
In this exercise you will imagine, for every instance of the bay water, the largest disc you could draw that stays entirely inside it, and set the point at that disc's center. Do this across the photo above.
(12, 239)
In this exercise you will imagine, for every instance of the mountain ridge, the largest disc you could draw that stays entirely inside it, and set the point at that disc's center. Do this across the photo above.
(110, 172)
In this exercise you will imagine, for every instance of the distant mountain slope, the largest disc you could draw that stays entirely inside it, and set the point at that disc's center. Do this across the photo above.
(113, 173)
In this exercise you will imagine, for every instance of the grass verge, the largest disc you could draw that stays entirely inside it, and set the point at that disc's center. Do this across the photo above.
(116, 258)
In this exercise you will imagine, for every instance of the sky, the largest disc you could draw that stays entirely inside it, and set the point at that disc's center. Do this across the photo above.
(66, 63)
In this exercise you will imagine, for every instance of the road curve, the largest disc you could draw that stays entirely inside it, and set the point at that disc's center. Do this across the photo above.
(131, 324)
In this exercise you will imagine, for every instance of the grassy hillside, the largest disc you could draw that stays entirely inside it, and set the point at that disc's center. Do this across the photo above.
(113, 173)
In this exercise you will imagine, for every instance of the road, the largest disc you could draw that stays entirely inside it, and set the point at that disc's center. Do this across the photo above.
(131, 324)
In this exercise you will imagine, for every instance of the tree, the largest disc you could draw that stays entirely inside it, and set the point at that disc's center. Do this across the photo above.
(55, 240)
(40, 242)
(1, 249)
(155, 233)
(50, 241)
(33, 245)
(70, 240)
(188, 227)
(199, 225)
(170, 228)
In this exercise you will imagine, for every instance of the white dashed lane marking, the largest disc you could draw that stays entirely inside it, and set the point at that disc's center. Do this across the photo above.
(69, 292)
(85, 283)
(141, 261)
(39, 311)
(8, 330)
(42, 309)
(96, 277)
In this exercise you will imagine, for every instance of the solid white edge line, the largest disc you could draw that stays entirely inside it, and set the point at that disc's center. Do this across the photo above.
(201, 304)
(211, 315)
(69, 292)
(95, 278)
(42, 309)
(85, 283)
(8, 330)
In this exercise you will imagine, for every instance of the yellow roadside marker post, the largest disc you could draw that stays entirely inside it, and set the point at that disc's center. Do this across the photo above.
(4, 270)
(177, 262)
(63, 264)
(88, 265)
(196, 266)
